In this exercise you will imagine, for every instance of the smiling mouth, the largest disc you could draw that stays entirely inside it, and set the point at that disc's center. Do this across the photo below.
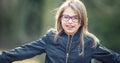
(69, 26)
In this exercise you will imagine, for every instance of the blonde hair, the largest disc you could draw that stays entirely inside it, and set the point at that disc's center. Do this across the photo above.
(82, 14)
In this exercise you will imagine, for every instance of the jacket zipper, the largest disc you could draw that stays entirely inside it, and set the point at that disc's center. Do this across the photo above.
(68, 47)
(67, 55)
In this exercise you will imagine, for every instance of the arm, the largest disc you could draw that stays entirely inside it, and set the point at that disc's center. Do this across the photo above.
(105, 55)
(25, 51)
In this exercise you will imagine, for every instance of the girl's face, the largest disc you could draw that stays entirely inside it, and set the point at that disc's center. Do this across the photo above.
(70, 21)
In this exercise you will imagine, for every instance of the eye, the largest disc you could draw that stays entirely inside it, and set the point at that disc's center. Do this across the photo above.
(75, 18)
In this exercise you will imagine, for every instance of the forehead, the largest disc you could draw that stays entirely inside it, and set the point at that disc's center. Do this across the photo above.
(70, 11)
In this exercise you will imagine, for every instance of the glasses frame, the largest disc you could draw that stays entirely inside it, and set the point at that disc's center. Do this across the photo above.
(74, 18)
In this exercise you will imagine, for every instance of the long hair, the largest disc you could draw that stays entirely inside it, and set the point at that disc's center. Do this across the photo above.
(82, 14)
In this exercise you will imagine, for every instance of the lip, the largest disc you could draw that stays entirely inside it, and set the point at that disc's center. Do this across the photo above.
(70, 26)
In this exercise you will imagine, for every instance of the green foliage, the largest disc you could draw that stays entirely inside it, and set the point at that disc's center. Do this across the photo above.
(23, 22)
(104, 21)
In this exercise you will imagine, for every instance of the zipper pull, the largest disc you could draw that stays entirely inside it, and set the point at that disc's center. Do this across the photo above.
(67, 55)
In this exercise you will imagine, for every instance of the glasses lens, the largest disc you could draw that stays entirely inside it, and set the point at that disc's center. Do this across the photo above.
(65, 17)
(75, 18)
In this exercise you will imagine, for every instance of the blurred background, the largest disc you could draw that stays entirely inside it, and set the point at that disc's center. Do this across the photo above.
(23, 21)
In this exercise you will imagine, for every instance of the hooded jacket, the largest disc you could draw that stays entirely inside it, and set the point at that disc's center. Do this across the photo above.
(65, 50)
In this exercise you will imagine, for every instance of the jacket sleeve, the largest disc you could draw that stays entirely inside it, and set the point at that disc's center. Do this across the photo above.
(25, 51)
(105, 55)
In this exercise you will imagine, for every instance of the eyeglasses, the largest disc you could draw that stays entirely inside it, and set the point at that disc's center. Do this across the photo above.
(66, 18)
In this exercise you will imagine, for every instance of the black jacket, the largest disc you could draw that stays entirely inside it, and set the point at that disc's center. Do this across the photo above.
(56, 52)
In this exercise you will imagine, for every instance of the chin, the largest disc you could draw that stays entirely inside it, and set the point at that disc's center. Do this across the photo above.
(70, 33)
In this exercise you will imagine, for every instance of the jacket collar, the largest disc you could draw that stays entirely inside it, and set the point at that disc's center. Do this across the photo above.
(76, 36)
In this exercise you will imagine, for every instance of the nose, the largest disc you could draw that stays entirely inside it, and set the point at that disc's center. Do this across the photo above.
(70, 20)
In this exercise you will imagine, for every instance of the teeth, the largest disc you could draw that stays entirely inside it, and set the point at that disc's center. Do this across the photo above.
(70, 26)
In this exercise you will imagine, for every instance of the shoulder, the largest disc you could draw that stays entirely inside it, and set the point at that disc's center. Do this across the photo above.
(88, 38)
(50, 33)
(53, 30)
(91, 39)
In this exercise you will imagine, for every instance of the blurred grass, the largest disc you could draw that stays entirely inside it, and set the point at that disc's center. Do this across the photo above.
(28, 61)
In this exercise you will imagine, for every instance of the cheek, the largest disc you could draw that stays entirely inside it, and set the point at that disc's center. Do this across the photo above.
(63, 24)
(78, 26)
